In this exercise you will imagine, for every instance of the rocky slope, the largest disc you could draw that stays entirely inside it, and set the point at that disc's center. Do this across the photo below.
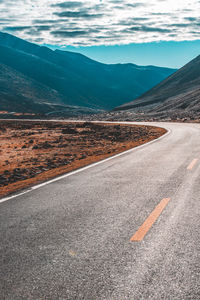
(177, 95)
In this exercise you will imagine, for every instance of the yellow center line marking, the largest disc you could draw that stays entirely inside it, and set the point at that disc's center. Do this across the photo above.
(145, 227)
(192, 164)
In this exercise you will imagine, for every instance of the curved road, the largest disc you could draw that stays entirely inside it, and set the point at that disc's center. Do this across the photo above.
(127, 228)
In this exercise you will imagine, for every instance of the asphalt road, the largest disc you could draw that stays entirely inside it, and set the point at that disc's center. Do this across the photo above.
(70, 239)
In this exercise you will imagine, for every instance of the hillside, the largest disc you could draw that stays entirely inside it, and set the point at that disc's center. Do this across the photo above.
(66, 78)
(179, 94)
(18, 92)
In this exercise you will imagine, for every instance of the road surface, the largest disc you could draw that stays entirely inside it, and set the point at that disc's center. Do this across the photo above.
(127, 228)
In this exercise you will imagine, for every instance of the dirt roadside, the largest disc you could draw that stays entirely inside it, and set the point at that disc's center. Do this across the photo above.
(34, 151)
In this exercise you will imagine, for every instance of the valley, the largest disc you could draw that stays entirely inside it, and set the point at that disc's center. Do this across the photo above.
(175, 98)
(36, 79)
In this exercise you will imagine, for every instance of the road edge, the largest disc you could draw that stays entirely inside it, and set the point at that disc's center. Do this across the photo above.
(37, 186)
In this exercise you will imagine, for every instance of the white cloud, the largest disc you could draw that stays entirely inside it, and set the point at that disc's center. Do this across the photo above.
(84, 22)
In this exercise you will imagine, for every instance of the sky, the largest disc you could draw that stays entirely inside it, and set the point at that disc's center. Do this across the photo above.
(145, 32)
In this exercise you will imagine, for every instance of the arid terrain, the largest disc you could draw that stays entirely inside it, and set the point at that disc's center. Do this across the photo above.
(34, 151)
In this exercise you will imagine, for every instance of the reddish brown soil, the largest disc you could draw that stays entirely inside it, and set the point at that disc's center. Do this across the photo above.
(34, 151)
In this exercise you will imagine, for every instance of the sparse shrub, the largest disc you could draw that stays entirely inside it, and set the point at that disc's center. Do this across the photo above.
(46, 145)
(87, 124)
(69, 131)
(35, 147)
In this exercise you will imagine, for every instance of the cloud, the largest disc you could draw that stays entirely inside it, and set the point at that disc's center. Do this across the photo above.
(68, 4)
(149, 29)
(135, 4)
(192, 19)
(16, 28)
(24, 28)
(77, 14)
(95, 22)
(64, 33)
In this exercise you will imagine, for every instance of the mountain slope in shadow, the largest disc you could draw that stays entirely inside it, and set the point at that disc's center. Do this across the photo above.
(66, 78)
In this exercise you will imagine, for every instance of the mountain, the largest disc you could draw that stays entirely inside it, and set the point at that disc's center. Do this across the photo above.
(36, 76)
(17, 90)
(179, 93)
(20, 93)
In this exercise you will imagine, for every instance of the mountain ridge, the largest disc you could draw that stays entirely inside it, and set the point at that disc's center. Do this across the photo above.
(75, 79)
(180, 91)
